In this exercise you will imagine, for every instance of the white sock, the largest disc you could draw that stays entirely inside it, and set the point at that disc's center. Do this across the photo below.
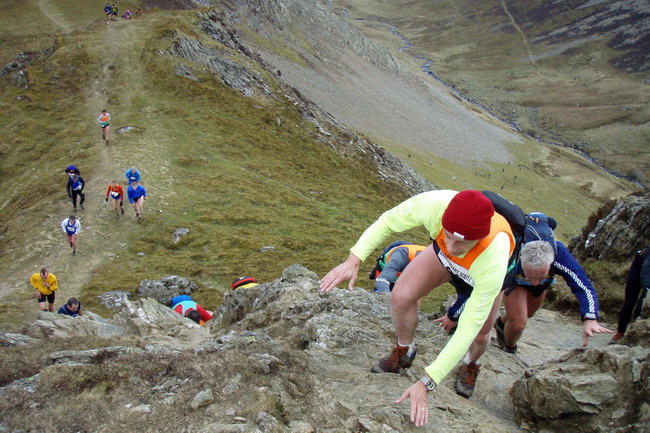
(410, 346)
(466, 360)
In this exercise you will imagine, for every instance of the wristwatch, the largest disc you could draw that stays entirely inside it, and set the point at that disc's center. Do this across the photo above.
(429, 384)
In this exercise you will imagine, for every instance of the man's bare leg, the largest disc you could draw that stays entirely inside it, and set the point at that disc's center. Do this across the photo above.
(422, 275)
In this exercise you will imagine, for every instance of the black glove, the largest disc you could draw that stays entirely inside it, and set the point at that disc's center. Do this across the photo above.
(106, 199)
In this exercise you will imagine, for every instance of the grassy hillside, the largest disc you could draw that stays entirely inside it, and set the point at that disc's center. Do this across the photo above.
(569, 86)
(239, 172)
(212, 161)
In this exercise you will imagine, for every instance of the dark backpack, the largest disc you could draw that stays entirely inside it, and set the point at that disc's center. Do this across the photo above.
(511, 212)
(539, 227)
(381, 260)
(517, 220)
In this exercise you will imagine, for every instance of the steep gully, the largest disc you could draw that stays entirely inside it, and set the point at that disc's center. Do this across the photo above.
(426, 68)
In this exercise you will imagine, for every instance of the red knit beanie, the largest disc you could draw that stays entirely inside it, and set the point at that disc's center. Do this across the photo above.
(468, 215)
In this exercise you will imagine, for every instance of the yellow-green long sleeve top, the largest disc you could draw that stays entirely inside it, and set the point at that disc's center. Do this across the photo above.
(487, 271)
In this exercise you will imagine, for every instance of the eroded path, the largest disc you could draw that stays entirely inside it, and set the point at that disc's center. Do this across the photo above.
(102, 236)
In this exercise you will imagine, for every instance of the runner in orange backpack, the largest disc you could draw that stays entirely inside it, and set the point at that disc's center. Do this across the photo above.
(391, 263)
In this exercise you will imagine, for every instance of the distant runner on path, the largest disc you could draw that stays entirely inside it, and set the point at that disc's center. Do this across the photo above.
(137, 194)
(108, 11)
(70, 171)
(116, 194)
(75, 189)
(104, 120)
(71, 227)
(45, 285)
(132, 175)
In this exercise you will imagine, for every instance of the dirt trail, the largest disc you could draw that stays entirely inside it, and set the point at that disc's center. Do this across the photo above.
(102, 236)
(521, 32)
(49, 12)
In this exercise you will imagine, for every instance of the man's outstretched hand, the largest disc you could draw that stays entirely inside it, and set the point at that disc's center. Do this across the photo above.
(347, 270)
(445, 323)
(588, 329)
(419, 403)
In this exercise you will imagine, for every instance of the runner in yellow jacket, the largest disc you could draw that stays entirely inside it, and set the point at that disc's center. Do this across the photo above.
(46, 285)
(471, 248)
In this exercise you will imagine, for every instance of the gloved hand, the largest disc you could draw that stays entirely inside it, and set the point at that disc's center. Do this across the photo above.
(106, 199)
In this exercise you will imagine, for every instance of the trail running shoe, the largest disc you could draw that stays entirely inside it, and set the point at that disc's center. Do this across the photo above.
(396, 360)
(501, 337)
(467, 379)
(616, 338)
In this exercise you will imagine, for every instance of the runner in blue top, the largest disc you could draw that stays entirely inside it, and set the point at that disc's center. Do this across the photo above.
(136, 194)
(75, 189)
(108, 10)
(71, 308)
(71, 227)
(132, 175)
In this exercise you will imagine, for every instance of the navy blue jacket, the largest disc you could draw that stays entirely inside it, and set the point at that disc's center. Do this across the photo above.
(568, 268)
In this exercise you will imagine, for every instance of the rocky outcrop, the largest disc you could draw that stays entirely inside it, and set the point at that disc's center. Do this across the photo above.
(179, 233)
(638, 332)
(51, 325)
(147, 317)
(165, 289)
(77, 357)
(9, 339)
(598, 390)
(307, 25)
(282, 357)
(247, 81)
(619, 233)
(114, 299)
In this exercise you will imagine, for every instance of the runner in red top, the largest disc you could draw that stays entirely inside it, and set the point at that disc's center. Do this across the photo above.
(116, 194)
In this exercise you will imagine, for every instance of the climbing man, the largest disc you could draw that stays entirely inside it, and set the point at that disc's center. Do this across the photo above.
(243, 283)
(540, 259)
(72, 308)
(391, 263)
(471, 248)
(186, 307)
